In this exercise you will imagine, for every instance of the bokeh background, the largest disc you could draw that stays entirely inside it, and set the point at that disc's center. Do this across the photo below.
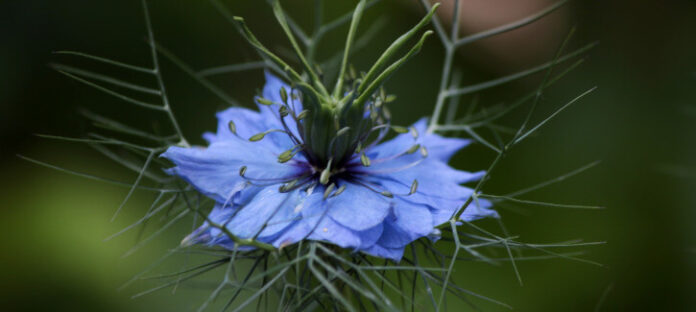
(641, 123)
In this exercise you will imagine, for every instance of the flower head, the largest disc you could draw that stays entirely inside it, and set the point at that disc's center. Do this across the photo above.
(283, 174)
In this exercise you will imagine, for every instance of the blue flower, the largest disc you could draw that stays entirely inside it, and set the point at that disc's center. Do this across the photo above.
(279, 175)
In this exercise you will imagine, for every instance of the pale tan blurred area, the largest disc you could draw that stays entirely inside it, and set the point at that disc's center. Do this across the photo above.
(516, 49)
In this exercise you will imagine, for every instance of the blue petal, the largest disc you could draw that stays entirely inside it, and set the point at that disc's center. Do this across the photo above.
(407, 223)
(370, 236)
(438, 147)
(271, 91)
(268, 213)
(214, 171)
(247, 123)
(479, 209)
(383, 252)
(317, 225)
(358, 208)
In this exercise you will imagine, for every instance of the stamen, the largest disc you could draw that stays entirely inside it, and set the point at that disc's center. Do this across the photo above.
(289, 154)
(339, 133)
(413, 149)
(300, 175)
(302, 114)
(375, 187)
(342, 131)
(414, 132)
(260, 136)
(293, 185)
(283, 111)
(328, 190)
(288, 185)
(264, 101)
(414, 187)
(364, 160)
(233, 127)
(409, 151)
(399, 129)
(326, 173)
(384, 193)
(339, 191)
(391, 170)
(284, 95)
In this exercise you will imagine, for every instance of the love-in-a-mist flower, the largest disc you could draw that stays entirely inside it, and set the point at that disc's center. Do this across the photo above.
(313, 165)
(279, 176)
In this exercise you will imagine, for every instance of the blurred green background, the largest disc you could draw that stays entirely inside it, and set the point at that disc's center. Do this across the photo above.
(640, 123)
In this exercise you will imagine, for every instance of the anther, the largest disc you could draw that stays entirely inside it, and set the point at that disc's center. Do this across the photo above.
(342, 131)
(288, 186)
(339, 191)
(364, 160)
(283, 111)
(233, 127)
(326, 173)
(284, 95)
(260, 136)
(257, 137)
(399, 129)
(424, 151)
(286, 156)
(328, 190)
(414, 132)
(302, 114)
(242, 171)
(413, 149)
(264, 101)
(414, 187)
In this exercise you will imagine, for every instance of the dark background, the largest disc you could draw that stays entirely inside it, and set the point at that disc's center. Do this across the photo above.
(640, 123)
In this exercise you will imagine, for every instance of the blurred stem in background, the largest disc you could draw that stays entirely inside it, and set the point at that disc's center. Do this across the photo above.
(528, 45)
